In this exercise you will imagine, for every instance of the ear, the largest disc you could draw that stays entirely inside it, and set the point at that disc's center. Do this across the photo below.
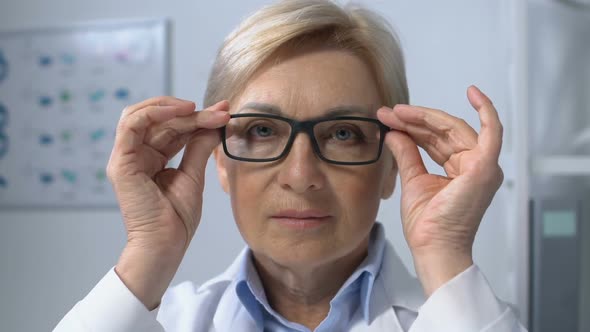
(389, 179)
(220, 160)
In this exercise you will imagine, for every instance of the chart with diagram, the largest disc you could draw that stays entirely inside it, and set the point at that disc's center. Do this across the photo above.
(62, 91)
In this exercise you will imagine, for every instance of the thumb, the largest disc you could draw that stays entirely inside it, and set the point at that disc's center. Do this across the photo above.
(197, 153)
(406, 154)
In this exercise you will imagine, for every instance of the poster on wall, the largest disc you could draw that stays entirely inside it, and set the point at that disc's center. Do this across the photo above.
(62, 91)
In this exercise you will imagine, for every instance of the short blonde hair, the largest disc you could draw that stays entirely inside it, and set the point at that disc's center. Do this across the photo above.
(318, 22)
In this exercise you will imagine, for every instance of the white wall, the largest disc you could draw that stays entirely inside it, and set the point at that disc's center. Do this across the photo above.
(51, 258)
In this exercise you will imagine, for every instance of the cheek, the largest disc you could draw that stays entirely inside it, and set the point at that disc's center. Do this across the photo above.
(236, 189)
(243, 188)
(360, 195)
(247, 189)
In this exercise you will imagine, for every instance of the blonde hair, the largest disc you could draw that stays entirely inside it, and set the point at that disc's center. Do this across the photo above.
(309, 22)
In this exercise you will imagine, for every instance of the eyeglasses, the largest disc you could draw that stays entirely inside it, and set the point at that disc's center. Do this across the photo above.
(343, 140)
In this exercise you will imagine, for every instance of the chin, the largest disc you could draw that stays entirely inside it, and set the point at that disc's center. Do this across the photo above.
(302, 252)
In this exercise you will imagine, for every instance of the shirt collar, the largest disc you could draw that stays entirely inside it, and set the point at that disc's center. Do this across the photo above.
(251, 293)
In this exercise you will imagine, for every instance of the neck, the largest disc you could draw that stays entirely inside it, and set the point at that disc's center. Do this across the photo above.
(302, 294)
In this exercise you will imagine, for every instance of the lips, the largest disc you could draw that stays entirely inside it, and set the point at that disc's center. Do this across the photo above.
(303, 214)
(301, 219)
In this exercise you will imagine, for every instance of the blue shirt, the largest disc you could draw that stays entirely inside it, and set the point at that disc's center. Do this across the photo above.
(355, 292)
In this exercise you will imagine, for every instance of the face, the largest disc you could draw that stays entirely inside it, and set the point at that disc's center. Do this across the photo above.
(300, 210)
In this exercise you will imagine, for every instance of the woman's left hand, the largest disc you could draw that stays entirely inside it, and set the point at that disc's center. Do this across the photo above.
(440, 215)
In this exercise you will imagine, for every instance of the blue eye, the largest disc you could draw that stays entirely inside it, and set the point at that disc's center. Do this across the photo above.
(343, 134)
(261, 131)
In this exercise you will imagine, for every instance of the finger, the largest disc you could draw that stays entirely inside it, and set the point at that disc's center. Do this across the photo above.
(405, 151)
(450, 128)
(157, 101)
(458, 135)
(169, 137)
(132, 128)
(490, 136)
(436, 120)
(439, 149)
(197, 152)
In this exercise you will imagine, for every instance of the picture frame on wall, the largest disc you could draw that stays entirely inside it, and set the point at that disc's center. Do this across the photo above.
(62, 90)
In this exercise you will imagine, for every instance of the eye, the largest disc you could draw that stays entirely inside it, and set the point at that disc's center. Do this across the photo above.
(343, 134)
(261, 131)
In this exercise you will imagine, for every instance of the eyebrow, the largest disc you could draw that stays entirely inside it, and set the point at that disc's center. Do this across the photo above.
(341, 110)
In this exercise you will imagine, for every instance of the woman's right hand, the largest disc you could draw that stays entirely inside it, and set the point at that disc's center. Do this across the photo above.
(161, 207)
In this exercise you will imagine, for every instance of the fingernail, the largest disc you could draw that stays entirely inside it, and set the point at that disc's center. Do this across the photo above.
(220, 114)
(189, 104)
(384, 109)
(220, 103)
(399, 107)
(187, 101)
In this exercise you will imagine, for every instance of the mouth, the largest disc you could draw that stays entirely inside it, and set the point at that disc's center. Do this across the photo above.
(301, 219)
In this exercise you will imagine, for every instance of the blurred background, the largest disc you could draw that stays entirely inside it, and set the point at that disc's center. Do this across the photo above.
(68, 68)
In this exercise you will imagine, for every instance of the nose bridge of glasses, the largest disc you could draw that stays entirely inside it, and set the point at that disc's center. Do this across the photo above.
(305, 128)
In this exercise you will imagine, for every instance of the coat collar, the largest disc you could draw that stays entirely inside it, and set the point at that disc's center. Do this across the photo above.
(395, 286)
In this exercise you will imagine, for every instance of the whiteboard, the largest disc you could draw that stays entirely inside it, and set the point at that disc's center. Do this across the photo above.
(62, 91)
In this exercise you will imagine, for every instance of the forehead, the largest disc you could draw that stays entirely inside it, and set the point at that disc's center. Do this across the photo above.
(312, 83)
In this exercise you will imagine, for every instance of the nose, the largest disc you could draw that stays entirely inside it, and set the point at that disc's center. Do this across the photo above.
(300, 170)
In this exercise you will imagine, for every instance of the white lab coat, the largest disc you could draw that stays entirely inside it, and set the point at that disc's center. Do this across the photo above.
(464, 304)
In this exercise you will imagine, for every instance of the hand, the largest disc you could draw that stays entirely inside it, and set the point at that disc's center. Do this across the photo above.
(161, 208)
(441, 215)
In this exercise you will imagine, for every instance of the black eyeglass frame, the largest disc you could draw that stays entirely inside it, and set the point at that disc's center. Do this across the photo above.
(306, 127)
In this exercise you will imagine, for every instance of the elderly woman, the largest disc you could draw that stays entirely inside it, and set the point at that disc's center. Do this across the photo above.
(298, 114)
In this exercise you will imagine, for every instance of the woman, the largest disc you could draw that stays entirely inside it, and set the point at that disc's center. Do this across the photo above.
(308, 151)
